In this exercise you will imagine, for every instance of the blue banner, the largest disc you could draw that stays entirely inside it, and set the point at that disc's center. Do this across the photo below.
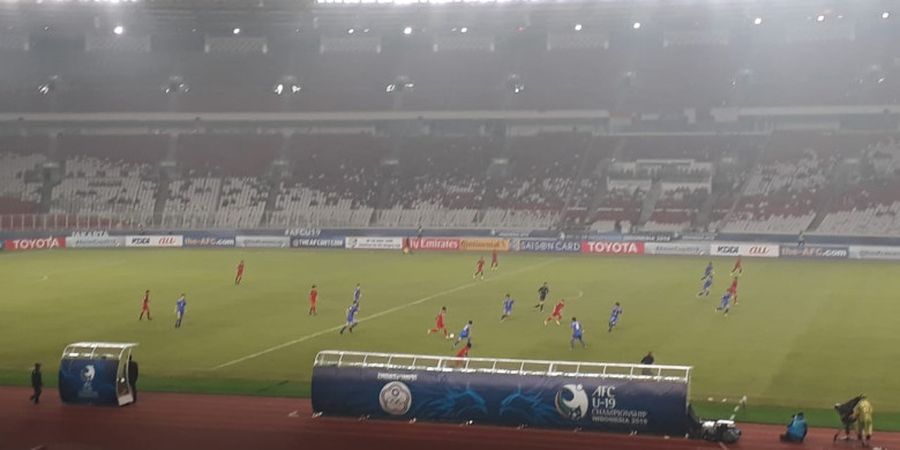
(320, 242)
(616, 405)
(815, 251)
(544, 245)
(88, 381)
(209, 240)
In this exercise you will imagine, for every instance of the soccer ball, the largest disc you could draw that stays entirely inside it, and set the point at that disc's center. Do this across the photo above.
(452, 335)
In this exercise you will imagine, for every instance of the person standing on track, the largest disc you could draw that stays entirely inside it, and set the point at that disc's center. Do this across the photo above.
(862, 414)
(132, 377)
(145, 306)
(37, 383)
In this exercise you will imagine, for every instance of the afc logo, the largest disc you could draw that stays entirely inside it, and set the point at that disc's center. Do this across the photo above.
(395, 398)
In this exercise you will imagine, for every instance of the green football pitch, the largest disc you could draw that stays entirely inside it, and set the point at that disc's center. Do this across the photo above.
(805, 333)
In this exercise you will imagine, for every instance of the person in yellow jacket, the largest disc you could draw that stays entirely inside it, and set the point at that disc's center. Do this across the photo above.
(862, 414)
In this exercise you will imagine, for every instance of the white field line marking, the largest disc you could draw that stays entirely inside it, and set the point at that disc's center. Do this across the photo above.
(580, 294)
(379, 314)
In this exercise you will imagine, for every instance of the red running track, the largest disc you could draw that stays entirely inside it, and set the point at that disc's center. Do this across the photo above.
(175, 422)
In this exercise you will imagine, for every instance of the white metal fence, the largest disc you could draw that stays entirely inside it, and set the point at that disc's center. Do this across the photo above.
(680, 374)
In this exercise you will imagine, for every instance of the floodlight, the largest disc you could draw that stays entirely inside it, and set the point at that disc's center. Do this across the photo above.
(886, 15)
(407, 31)
(464, 30)
(821, 18)
(119, 30)
(636, 26)
(236, 30)
(578, 27)
(757, 21)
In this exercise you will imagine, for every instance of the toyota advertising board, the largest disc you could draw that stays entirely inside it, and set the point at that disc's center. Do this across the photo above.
(263, 241)
(25, 244)
(744, 249)
(154, 241)
(373, 243)
(612, 248)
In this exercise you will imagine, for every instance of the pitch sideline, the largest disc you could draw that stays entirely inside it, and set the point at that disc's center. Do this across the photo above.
(379, 314)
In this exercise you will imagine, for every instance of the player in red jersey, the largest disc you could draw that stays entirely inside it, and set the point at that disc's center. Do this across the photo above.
(738, 268)
(439, 323)
(240, 273)
(145, 306)
(313, 300)
(557, 312)
(495, 264)
(733, 289)
(479, 268)
(463, 353)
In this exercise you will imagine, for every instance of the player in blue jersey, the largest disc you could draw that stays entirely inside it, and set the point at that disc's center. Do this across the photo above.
(357, 294)
(351, 318)
(465, 333)
(708, 272)
(577, 332)
(614, 316)
(725, 304)
(707, 285)
(507, 307)
(180, 304)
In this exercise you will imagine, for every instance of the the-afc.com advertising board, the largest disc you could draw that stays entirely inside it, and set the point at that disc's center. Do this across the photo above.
(40, 243)
(618, 405)
(814, 251)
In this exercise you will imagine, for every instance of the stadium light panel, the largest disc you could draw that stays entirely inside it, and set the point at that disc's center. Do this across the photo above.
(821, 18)
(636, 26)
(464, 30)
(236, 31)
(757, 21)
(886, 15)
(578, 27)
(119, 30)
(407, 31)
(351, 30)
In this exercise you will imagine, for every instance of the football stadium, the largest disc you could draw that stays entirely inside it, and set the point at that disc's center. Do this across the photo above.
(287, 224)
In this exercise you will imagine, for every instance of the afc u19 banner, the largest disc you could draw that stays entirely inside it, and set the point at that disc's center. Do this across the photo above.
(88, 381)
(616, 405)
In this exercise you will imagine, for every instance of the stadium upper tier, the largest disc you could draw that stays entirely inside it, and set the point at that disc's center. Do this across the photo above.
(551, 180)
(72, 57)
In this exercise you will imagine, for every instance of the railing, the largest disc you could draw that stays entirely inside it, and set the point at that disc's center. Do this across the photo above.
(393, 361)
